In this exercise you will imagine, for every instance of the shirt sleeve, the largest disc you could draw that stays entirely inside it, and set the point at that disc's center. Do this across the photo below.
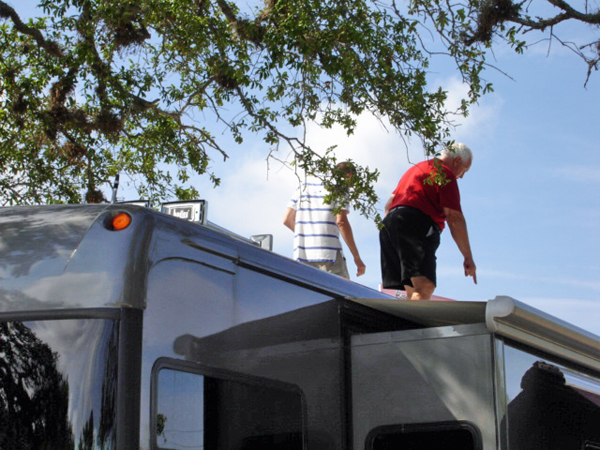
(449, 194)
(293, 203)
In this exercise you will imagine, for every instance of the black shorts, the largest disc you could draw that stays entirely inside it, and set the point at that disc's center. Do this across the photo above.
(409, 240)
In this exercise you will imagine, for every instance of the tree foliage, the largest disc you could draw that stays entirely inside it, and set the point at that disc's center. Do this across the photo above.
(92, 88)
(469, 28)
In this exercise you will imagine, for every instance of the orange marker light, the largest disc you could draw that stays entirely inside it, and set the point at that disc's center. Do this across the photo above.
(121, 221)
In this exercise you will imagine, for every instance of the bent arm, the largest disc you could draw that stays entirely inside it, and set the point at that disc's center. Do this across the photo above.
(458, 228)
(346, 231)
(289, 219)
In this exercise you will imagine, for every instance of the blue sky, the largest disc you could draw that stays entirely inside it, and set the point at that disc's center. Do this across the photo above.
(531, 197)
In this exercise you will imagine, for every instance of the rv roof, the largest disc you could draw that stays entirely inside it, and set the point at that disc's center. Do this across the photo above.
(50, 255)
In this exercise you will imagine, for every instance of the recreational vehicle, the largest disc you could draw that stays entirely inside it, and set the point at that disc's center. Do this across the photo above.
(126, 328)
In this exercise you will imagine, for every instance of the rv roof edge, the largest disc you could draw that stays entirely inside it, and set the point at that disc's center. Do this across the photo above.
(525, 324)
(429, 313)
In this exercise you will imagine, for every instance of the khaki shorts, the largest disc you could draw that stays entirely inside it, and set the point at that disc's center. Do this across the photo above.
(337, 267)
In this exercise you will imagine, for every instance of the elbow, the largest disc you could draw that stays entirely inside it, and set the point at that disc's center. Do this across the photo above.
(453, 221)
(341, 221)
(454, 217)
(291, 225)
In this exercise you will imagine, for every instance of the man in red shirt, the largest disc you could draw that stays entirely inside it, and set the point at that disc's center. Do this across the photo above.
(415, 215)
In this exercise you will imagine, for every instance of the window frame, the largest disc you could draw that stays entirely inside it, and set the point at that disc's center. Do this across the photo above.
(221, 374)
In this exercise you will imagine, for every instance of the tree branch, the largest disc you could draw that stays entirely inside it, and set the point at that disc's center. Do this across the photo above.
(7, 12)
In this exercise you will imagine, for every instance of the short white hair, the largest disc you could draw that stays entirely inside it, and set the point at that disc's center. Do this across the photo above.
(457, 149)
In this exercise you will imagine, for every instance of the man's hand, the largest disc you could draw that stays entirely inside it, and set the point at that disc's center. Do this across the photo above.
(360, 266)
(470, 269)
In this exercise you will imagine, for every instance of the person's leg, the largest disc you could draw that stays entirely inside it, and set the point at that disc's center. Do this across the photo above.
(422, 288)
(391, 267)
(424, 280)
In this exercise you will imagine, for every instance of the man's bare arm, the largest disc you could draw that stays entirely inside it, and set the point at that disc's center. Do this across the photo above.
(346, 231)
(458, 228)
(289, 220)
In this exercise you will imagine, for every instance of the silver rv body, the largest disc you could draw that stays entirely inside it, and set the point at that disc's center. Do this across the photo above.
(168, 334)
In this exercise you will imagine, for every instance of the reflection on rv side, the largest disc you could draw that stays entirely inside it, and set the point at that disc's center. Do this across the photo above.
(43, 403)
(550, 414)
(169, 334)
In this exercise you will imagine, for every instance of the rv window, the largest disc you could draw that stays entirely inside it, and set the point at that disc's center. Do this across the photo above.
(549, 405)
(58, 381)
(196, 411)
(449, 436)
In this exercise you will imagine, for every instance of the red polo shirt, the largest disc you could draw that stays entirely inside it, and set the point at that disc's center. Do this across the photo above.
(413, 191)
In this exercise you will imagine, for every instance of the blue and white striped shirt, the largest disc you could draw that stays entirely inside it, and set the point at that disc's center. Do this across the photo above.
(317, 237)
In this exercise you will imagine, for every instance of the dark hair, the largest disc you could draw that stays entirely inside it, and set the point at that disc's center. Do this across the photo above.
(346, 167)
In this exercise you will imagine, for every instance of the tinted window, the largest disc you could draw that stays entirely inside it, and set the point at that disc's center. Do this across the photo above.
(58, 384)
(424, 437)
(196, 411)
(550, 406)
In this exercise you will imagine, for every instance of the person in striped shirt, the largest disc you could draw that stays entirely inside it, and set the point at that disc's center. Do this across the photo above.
(317, 230)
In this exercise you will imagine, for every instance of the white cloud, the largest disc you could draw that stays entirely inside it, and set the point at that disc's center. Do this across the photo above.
(374, 144)
(252, 198)
(482, 118)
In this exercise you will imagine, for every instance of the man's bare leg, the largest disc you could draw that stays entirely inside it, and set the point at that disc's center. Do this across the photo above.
(422, 289)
